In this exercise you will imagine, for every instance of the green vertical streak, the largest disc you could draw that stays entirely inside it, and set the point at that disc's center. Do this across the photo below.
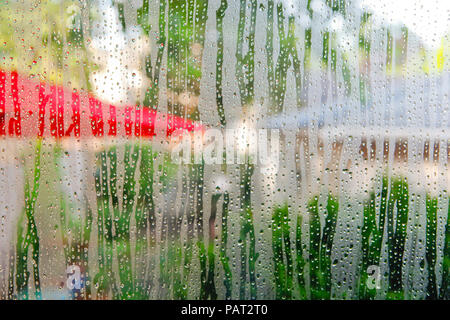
(277, 74)
(245, 65)
(141, 247)
(375, 250)
(300, 268)
(330, 40)
(389, 47)
(149, 201)
(329, 53)
(31, 236)
(187, 22)
(143, 17)
(327, 245)
(22, 273)
(83, 30)
(364, 50)
(345, 69)
(12, 266)
(150, 207)
(64, 231)
(32, 229)
(292, 43)
(172, 57)
(62, 211)
(403, 48)
(393, 195)
(444, 292)
(307, 56)
(144, 208)
(284, 269)
(247, 230)
(325, 49)
(372, 237)
(186, 15)
(333, 64)
(152, 72)
(165, 170)
(367, 230)
(107, 220)
(100, 279)
(430, 246)
(314, 247)
(283, 62)
(191, 181)
(277, 248)
(123, 223)
(105, 278)
(75, 249)
(346, 75)
(320, 247)
(288, 254)
(194, 71)
(200, 236)
(179, 289)
(253, 256)
(85, 251)
(112, 156)
(220, 14)
(269, 53)
(308, 44)
(195, 65)
(240, 75)
(397, 236)
(210, 290)
(121, 14)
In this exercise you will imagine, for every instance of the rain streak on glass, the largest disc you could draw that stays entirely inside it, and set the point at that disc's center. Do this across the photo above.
(274, 149)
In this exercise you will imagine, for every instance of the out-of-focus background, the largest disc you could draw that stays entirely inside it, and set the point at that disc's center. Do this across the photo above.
(359, 91)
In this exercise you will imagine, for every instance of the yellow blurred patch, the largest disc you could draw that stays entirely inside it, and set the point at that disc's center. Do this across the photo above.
(440, 58)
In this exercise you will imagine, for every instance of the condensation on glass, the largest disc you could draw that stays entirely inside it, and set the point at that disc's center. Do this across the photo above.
(220, 149)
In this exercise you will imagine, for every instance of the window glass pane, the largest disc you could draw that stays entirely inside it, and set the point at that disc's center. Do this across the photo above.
(274, 149)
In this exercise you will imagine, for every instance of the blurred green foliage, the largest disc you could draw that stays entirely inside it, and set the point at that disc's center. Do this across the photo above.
(45, 39)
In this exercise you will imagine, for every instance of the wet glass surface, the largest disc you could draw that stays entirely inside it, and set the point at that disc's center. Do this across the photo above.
(224, 149)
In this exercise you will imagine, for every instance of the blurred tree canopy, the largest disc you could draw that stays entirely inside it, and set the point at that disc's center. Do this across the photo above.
(45, 39)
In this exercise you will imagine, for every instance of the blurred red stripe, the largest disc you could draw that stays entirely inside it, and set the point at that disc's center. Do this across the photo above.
(29, 108)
